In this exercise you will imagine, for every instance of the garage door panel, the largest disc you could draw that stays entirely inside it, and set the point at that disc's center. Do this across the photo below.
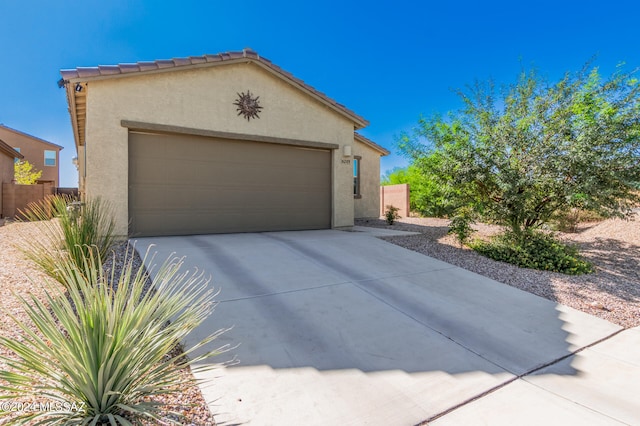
(192, 185)
(196, 171)
(202, 221)
(161, 197)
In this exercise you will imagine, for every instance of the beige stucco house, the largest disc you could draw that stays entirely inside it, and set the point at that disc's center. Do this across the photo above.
(42, 154)
(219, 143)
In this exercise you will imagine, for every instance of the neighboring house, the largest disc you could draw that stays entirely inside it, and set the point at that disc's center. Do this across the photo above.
(7, 159)
(43, 155)
(219, 143)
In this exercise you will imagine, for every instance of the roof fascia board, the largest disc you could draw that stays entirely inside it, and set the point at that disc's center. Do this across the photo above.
(371, 144)
(71, 100)
(9, 150)
(359, 123)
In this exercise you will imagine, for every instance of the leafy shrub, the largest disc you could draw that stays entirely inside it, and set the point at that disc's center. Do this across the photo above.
(25, 174)
(76, 229)
(461, 226)
(391, 214)
(534, 250)
(106, 345)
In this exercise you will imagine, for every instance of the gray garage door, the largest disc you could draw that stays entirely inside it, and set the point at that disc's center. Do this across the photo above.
(180, 185)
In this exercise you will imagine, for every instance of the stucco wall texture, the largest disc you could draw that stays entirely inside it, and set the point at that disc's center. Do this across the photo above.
(202, 98)
(368, 206)
(396, 196)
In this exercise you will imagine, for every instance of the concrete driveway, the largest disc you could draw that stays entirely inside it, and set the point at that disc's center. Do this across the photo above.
(343, 328)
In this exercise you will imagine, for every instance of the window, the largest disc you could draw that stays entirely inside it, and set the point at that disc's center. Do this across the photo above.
(15, 160)
(49, 158)
(356, 177)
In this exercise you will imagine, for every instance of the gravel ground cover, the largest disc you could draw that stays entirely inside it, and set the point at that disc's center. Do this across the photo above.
(613, 246)
(612, 293)
(21, 277)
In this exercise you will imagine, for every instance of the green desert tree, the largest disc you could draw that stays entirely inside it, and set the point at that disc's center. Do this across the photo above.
(25, 174)
(520, 154)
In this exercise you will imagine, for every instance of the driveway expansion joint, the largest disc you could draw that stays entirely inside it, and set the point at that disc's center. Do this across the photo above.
(523, 377)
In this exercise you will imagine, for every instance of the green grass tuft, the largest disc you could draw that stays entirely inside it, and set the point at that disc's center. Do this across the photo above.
(70, 231)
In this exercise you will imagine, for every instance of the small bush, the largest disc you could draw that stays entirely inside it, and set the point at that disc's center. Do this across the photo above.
(76, 229)
(105, 347)
(534, 250)
(391, 214)
(461, 226)
(25, 174)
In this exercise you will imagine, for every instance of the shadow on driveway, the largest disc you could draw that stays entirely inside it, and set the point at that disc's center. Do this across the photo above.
(351, 329)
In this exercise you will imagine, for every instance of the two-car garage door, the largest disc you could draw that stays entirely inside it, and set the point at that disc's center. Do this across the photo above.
(182, 184)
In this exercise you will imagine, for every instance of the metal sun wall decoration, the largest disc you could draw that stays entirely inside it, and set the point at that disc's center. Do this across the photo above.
(248, 106)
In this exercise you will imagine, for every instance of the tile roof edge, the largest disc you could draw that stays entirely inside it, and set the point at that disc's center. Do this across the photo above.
(164, 65)
(371, 143)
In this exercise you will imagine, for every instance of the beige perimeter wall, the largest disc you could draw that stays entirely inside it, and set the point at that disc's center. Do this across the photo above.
(16, 198)
(396, 196)
(203, 99)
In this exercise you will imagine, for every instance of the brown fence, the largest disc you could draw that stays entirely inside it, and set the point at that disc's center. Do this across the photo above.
(69, 192)
(16, 197)
(396, 196)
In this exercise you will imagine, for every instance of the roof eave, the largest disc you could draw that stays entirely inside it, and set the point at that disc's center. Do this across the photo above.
(383, 151)
(359, 122)
(71, 100)
(9, 150)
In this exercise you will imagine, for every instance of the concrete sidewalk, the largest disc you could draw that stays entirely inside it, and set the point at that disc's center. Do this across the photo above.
(343, 328)
(597, 386)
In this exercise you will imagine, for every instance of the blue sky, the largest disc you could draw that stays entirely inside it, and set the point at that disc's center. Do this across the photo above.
(388, 61)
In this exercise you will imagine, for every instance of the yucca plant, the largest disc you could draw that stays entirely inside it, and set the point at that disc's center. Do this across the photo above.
(69, 230)
(103, 351)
